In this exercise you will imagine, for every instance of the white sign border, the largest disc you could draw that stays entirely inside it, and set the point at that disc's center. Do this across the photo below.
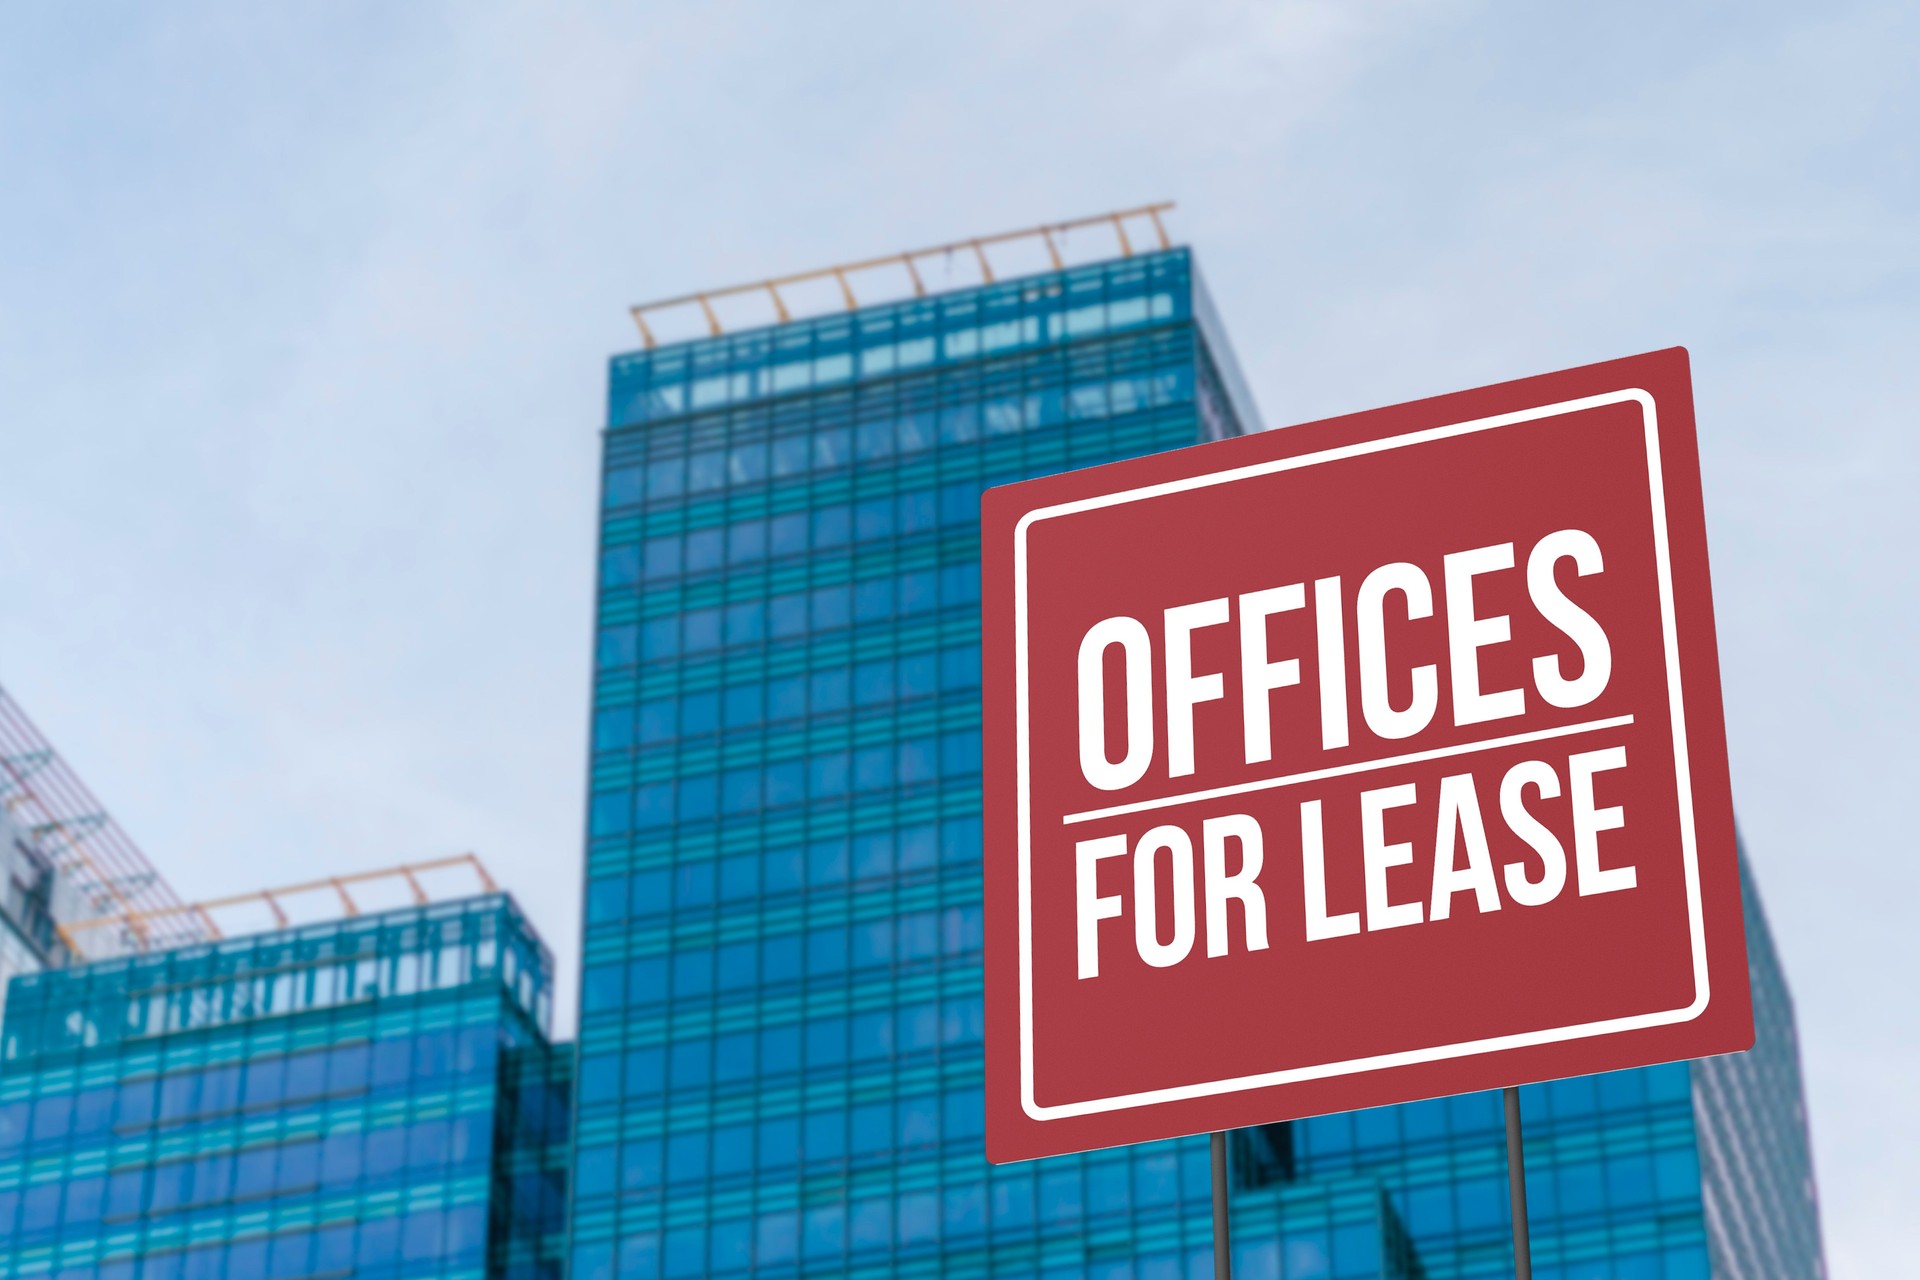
(1689, 846)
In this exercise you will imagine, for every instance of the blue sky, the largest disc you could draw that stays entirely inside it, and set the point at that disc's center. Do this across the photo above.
(304, 313)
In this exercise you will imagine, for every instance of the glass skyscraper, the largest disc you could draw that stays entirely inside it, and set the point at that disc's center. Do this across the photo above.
(371, 1097)
(779, 1063)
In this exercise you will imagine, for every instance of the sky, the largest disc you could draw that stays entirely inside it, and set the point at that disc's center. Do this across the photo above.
(304, 314)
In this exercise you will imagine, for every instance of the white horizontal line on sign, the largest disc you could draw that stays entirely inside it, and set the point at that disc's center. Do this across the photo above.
(1341, 771)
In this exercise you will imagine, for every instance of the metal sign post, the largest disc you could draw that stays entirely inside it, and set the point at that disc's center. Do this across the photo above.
(1516, 1189)
(1222, 1237)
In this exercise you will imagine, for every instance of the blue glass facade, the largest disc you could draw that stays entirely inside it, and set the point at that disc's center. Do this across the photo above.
(374, 1097)
(780, 1025)
(780, 1021)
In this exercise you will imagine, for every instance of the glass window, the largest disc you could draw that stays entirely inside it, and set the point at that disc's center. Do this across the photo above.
(701, 630)
(662, 556)
(747, 463)
(790, 455)
(619, 646)
(660, 638)
(918, 761)
(738, 965)
(747, 542)
(787, 534)
(733, 1053)
(779, 1142)
(699, 713)
(620, 566)
(870, 1035)
(610, 814)
(693, 883)
(917, 1027)
(645, 1070)
(826, 1042)
(613, 729)
(873, 440)
(689, 1065)
(646, 980)
(873, 600)
(706, 471)
(779, 1050)
(706, 549)
(873, 519)
(919, 1217)
(780, 960)
(739, 877)
(653, 805)
(832, 526)
(656, 721)
(692, 972)
(623, 486)
(746, 622)
(666, 478)
(830, 607)
(872, 768)
(784, 869)
(832, 447)
(826, 950)
(786, 698)
(732, 1149)
(787, 615)
(830, 690)
(873, 682)
(826, 1136)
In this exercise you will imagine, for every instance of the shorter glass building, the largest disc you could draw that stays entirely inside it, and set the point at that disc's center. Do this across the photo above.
(371, 1097)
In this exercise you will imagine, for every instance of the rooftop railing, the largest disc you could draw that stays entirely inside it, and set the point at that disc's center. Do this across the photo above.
(898, 275)
(311, 901)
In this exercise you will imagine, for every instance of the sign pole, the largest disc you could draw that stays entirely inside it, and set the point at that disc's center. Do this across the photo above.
(1516, 1189)
(1222, 1241)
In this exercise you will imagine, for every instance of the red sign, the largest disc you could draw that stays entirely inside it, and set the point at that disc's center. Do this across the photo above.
(1369, 760)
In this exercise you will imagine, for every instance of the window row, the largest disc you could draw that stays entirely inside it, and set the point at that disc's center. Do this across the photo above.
(1334, 1141)
(77, 1014)
(426, 1150)
(697, 883)
(370, 1249)
(777, 1242)
(871, 1228)
(820, 1044)
(829, 1136)
(645, 391)
(825, 528)
(783, 699)
(826, 952)
(418, 1063)
(831, 775)
(953, 306)
(691, 632)
(829, 448)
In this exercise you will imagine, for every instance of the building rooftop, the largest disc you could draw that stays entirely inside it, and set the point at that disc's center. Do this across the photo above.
(335, 964)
